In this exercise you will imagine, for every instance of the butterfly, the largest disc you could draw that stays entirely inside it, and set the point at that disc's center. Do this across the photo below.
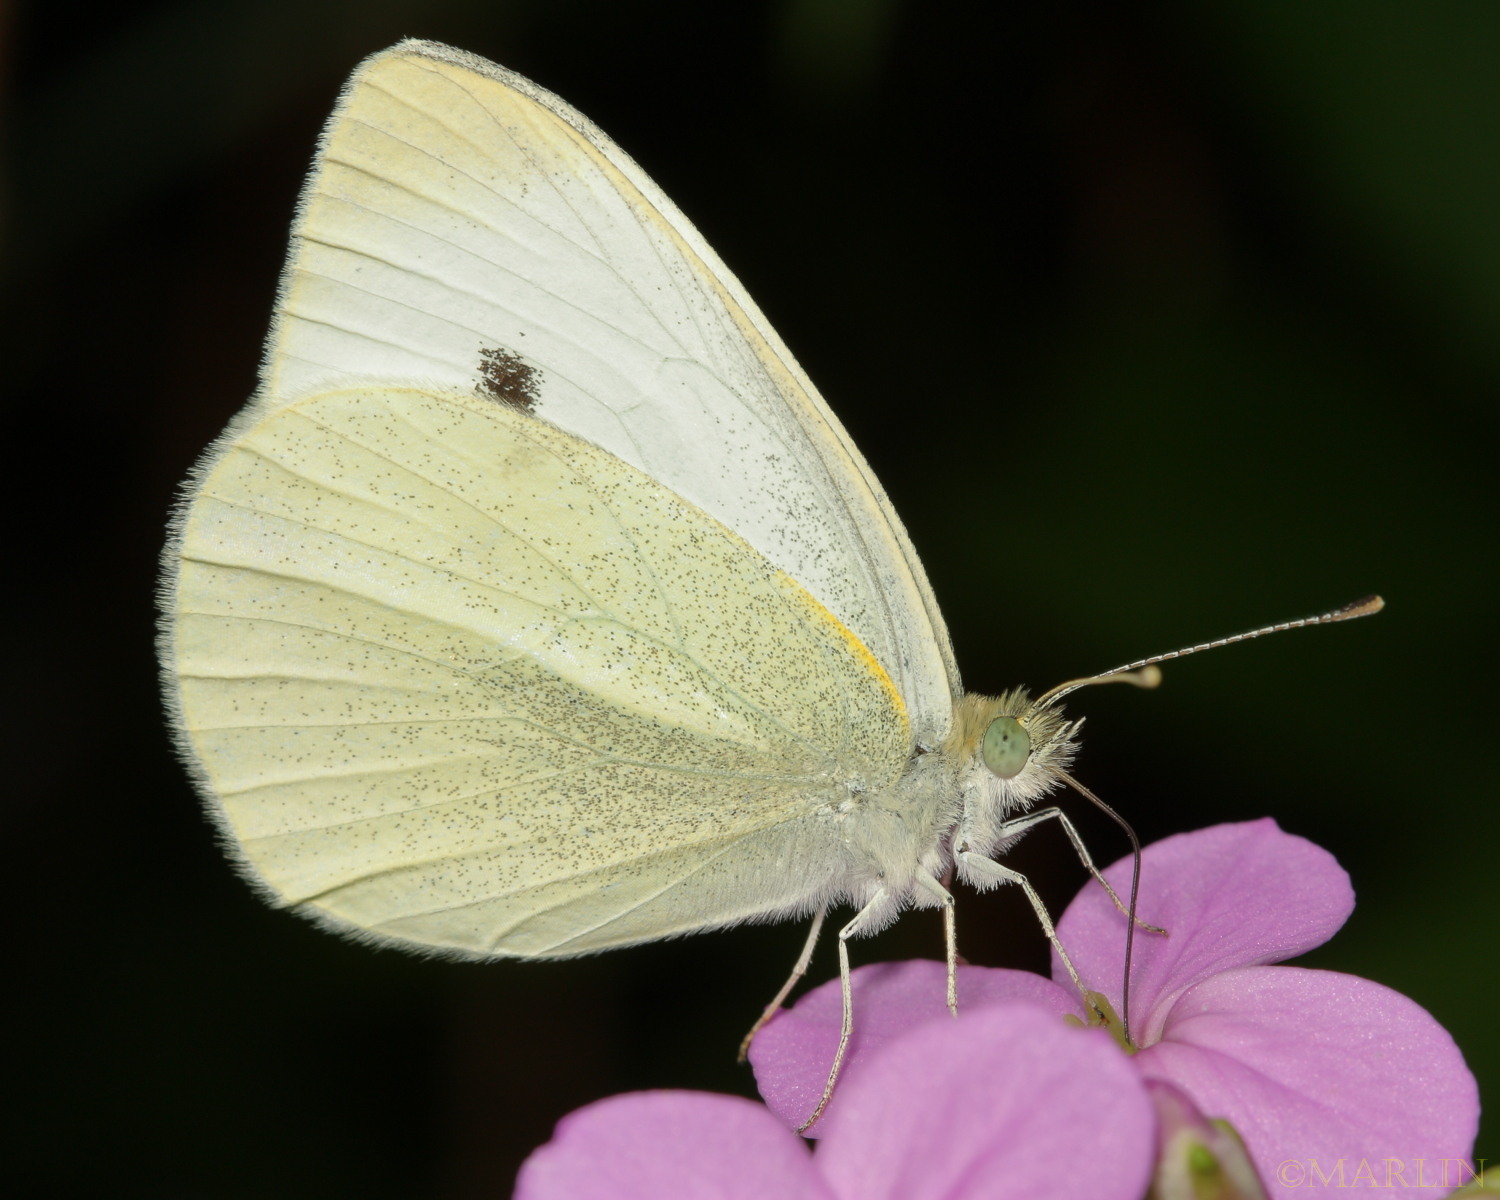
(537, 604)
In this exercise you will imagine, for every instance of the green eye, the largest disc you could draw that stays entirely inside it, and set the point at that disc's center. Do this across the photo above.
(1006, 747)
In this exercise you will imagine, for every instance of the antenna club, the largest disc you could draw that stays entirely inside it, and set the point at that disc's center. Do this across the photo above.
(1364, 607)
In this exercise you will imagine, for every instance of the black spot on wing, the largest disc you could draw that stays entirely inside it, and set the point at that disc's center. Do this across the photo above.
(505, 376)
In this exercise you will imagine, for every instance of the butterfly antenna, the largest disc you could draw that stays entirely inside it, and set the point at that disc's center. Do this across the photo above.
(1145, 673)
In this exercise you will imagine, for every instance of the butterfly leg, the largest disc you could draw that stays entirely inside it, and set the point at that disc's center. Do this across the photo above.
(798, 972)
(950, 935)
(980, 867)
(846, 1027)
(1019, 825)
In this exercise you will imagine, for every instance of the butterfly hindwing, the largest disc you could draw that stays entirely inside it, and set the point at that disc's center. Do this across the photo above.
(460, 678)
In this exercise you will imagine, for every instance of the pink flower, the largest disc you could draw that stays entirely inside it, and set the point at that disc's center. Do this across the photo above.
(1326, 1076)
(1007, 1101)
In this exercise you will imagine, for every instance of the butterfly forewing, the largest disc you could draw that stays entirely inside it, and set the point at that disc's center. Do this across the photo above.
(458, 211)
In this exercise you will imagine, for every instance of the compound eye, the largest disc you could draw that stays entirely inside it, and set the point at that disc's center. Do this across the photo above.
(1006, 747)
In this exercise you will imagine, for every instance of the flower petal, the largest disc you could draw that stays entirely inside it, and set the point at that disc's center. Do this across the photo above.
(1003, 1102)
(793, 1053)
(1316, 1066)
(1228, 896)
(661, 1145)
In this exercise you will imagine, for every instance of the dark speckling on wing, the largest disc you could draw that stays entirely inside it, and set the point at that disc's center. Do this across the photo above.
(505, 376)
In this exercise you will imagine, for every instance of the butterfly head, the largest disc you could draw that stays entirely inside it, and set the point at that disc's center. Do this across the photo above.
(1010, 747)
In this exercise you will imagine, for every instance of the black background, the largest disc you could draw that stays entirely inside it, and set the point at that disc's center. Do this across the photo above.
(1157, 324)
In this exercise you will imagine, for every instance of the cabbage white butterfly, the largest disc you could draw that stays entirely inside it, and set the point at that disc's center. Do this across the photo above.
(536, 604)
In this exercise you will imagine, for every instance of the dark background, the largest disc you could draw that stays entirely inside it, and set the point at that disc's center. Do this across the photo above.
(1157, 324)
